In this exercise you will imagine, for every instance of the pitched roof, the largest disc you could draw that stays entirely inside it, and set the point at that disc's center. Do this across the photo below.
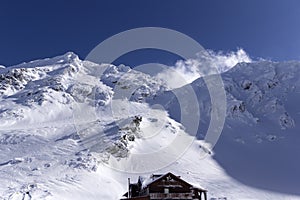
(155, 178)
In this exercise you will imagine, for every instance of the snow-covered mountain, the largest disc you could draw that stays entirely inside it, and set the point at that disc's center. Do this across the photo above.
(258, 145)
(71, 129)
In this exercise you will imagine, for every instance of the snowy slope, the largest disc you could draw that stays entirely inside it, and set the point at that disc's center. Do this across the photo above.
(68, 131)
(44, 145)
(259, 142)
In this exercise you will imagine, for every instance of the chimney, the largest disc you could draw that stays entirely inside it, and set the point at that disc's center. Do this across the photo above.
(129, 191)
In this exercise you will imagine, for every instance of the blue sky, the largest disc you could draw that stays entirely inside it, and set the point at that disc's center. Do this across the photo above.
(37, 29)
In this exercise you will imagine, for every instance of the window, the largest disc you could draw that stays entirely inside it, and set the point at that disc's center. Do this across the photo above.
(166, 190)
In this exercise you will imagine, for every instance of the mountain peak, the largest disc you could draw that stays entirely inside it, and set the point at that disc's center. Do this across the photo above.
(69, 57)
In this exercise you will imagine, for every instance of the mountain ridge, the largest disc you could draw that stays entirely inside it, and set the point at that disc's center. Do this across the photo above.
(64, 118)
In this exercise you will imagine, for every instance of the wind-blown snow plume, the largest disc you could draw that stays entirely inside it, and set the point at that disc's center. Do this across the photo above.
(206, 63)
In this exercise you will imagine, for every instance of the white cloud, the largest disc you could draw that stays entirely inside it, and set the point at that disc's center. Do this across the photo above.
(206, 63)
